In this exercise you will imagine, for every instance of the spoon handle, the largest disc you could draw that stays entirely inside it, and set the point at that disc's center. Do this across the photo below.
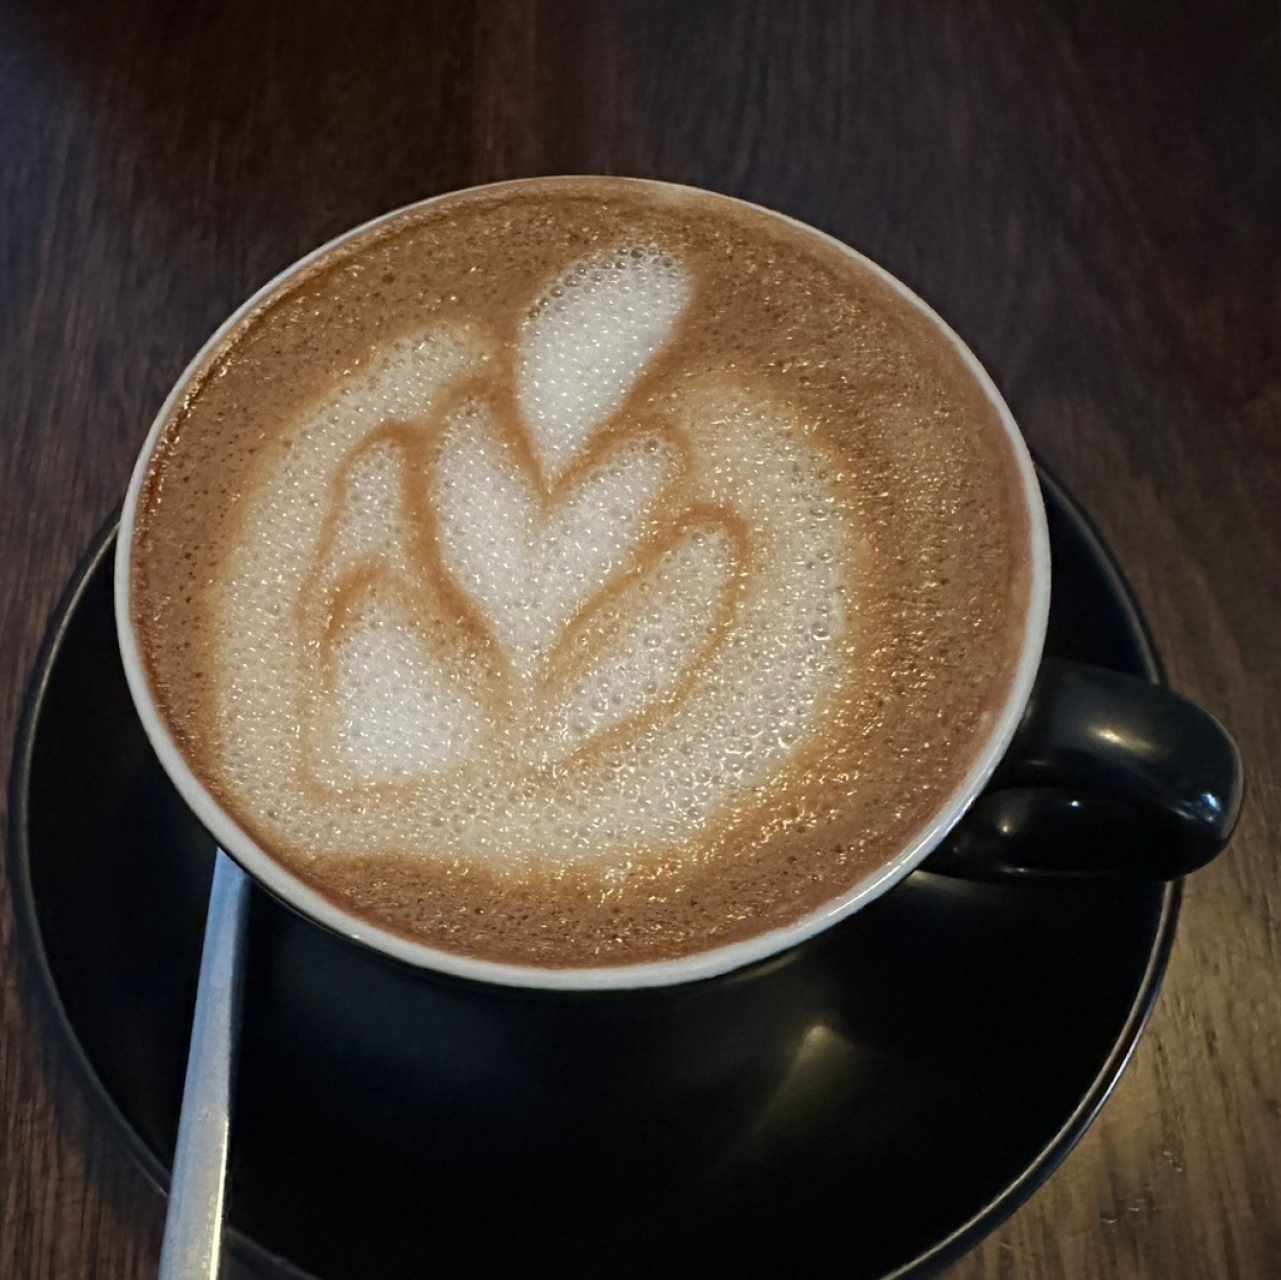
(193, 1225)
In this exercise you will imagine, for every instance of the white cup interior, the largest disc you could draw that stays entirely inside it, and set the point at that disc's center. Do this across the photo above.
(704, 964)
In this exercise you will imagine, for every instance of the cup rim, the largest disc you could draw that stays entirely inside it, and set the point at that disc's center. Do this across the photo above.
(318, 908)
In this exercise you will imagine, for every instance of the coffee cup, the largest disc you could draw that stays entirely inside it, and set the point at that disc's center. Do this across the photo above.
(1057, 755)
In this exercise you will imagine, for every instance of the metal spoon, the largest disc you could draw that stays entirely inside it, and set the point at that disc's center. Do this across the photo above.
(192, 1246)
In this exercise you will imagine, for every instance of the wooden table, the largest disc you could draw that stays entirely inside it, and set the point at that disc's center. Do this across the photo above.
(1093, 201)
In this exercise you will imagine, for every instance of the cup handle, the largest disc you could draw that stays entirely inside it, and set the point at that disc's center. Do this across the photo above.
(1107, 775)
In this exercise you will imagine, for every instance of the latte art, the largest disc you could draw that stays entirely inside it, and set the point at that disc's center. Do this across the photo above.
(557, 610)
(574, 632)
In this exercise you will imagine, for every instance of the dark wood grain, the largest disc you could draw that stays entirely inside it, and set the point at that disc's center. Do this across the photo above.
(1093, 200)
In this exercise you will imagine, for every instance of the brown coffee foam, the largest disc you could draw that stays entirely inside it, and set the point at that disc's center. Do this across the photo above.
(941, 526)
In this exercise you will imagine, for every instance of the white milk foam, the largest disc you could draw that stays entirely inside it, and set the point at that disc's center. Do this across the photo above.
(531, 571)
(667, 628)
(587, 341)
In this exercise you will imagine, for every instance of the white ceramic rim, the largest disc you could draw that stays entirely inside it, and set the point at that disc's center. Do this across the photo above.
(704, 964)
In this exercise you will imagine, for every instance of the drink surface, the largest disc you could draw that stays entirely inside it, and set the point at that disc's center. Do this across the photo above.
(582, 572)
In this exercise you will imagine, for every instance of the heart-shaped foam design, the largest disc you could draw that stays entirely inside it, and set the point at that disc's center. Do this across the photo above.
(528, 564)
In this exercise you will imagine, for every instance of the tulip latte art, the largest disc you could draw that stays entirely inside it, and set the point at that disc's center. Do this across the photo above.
(582, 572)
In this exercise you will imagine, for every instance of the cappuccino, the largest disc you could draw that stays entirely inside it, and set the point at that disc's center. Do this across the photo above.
(582, 572)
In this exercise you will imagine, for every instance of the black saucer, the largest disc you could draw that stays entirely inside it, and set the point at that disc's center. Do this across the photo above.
(891, 1090)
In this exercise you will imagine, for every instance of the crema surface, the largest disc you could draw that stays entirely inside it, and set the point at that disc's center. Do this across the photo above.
(582, 572)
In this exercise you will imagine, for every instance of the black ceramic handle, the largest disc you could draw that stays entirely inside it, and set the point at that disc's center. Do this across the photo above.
(1107, 775)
